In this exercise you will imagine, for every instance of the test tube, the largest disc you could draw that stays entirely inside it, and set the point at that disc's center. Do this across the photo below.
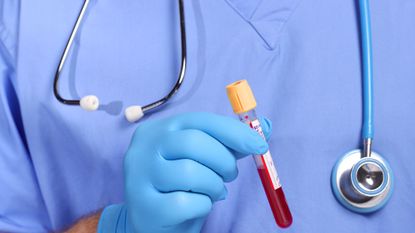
(243, 103)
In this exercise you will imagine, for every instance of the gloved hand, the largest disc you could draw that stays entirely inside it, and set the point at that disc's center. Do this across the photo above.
(175, 170)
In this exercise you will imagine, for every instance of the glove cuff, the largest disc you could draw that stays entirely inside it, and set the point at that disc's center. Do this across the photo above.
(113, 219)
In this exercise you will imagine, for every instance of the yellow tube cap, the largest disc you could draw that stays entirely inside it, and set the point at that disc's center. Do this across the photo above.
(241, 97)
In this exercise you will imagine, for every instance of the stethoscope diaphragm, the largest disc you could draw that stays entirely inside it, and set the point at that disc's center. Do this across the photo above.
(362, 185)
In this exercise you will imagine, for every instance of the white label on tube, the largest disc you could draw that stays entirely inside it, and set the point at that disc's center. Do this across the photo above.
(269, 166)
(266, 158)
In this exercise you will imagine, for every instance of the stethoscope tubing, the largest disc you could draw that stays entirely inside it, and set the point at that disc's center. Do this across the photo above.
(367, 69)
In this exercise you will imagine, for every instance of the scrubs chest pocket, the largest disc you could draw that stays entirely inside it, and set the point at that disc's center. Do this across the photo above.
(266, 17)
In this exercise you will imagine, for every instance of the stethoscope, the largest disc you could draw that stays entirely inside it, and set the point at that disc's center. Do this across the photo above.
(91, 102)
(362, 180)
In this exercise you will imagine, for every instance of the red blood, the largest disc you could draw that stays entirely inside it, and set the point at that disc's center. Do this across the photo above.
(276, 199)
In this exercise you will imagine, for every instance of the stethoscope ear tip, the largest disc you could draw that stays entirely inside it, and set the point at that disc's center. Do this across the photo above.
(133, 113)
(89, 103)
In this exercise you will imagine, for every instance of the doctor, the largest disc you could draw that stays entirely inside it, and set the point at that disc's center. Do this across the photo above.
(183, 168)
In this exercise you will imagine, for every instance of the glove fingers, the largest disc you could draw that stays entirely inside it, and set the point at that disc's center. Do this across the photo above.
(188, 175)
(201, 147)
(230, 132)
(266, 127)
(178, 207)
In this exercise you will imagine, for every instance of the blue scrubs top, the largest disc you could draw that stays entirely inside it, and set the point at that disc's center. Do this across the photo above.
(302, 59)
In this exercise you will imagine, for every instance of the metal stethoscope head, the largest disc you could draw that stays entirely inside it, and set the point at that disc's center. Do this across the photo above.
(132, 113)
(362, 180)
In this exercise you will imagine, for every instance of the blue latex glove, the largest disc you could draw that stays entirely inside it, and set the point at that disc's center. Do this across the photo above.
(175, 170)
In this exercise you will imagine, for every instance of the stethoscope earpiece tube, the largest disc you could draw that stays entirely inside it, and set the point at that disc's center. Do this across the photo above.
(362, 180)
(135, 112)
(64, 56)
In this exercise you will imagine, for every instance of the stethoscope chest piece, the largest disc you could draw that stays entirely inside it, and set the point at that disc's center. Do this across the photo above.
(362, 184)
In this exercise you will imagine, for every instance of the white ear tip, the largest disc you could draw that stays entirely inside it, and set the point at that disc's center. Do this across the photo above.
(133, 113)
(89, 103)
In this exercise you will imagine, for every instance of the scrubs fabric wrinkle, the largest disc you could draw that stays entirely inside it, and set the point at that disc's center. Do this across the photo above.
(267, 17)
(302, 59)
